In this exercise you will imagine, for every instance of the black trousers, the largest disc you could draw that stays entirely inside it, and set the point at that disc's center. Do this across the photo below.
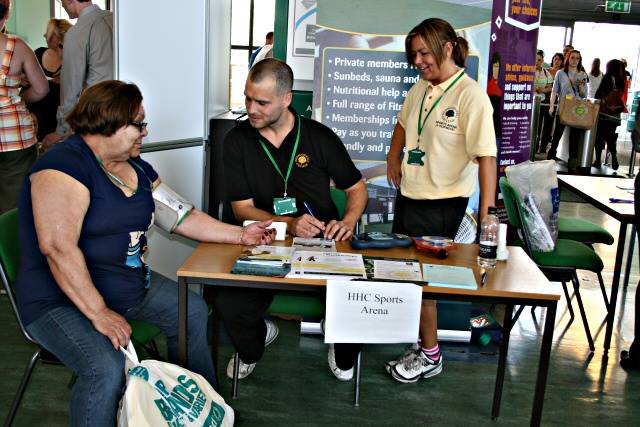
(428, 217)
(14, 168)
(545, 126)
(606, 133)
(634, 350)
(575, 136)
(242, 311)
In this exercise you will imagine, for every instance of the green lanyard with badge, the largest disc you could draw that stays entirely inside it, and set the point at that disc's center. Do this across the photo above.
(416, 155)
(284, 205)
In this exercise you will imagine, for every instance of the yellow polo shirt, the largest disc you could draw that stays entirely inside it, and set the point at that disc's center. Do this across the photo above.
(457, 132)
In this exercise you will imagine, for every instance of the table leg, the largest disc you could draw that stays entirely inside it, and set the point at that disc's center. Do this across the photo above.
(632, 243)
(613, 300)
(236, 374)
(502, 360)
(357, 366)
(543, 366)
(182, 322)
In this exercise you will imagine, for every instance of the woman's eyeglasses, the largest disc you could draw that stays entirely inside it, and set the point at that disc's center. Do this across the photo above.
(140, 125)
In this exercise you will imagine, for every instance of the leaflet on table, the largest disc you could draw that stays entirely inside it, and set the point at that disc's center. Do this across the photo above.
(252, 269)
(326, 265)
(449, 276)
(267, 255)
(396, 269)
(274, 261)
(313, 244)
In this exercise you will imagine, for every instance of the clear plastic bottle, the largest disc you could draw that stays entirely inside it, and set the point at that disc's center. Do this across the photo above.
(489, 239)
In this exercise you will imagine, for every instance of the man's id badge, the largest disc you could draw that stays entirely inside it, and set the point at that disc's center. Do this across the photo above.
(416, 157)
(284, 205)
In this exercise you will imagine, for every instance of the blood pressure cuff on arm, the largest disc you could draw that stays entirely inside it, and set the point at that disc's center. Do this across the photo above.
(171, 208)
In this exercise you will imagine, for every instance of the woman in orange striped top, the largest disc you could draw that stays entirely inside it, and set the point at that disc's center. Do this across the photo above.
(17, 127)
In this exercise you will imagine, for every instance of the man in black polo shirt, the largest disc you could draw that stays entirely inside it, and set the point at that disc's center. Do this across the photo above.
(279, 165)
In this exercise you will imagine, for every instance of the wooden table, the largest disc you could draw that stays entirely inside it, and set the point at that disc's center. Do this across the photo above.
(517, 281)
(597, 191)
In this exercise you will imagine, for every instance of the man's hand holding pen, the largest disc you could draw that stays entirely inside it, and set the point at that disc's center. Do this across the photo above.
(308, 225)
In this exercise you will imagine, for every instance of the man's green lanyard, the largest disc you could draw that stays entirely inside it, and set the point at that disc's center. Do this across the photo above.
(293, 155)
(421, 122)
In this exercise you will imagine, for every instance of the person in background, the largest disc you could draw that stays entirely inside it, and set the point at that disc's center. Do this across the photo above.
(568, 81)
(557, 62)
(87, 59)
(568, 48)
(609, 92)
(495, 93)
(50, 59)
(268, 45)
(542, 86)
(18, 150)
(627, 79)
(84, 212)
(445, 131)
(630, 359)
(595, 77)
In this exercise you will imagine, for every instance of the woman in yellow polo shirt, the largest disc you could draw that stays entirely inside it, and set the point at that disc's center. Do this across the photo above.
(446, 128)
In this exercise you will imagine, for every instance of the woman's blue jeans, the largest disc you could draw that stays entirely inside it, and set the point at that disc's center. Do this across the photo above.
(71, 337)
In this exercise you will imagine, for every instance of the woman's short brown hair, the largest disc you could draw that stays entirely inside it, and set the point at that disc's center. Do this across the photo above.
(105, 107)
(435, 33)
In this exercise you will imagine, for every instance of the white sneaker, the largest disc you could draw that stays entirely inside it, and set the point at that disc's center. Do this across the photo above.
(272, 332)
(416, 366)
(342, 375)
(244, 371)
(407, 353)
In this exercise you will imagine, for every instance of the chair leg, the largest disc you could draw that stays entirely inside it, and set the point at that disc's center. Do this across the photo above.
(21, 389)
(566, 295)
(604, 291)
(601, 282)
(517, 315)
(576, 289)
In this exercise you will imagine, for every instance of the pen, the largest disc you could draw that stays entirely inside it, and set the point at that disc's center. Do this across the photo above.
(614, 200)
(308, 208)
(484, 276)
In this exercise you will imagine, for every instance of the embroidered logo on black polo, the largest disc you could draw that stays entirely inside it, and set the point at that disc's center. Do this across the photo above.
(302, 160)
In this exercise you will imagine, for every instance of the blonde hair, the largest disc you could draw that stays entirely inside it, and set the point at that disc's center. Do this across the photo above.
(58, 27)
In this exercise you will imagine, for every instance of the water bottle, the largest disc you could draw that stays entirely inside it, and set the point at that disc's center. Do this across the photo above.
(489, 239)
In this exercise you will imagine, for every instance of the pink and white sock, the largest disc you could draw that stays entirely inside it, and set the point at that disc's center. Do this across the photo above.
(432, 353)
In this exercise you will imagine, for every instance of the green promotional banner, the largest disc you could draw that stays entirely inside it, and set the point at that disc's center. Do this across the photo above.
(361, 77)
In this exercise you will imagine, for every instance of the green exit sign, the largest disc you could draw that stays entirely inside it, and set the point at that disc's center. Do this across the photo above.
(620, 6)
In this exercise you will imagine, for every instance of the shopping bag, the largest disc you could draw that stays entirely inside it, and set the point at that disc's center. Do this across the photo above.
(537, 184)
(578, 113)
(163, 394)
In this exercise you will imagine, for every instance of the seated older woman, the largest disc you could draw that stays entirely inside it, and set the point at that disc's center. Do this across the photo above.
(84, 212)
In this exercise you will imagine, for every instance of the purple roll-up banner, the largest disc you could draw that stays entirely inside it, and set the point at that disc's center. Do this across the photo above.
(511, 73)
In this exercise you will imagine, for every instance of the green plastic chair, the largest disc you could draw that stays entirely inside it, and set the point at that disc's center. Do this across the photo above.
(143, 333)
(559, 265)
(588, 233)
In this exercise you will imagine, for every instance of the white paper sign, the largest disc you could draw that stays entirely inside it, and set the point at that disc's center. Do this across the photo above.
(372, 312)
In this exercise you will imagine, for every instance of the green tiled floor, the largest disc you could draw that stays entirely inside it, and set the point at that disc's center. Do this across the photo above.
(292, 385)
